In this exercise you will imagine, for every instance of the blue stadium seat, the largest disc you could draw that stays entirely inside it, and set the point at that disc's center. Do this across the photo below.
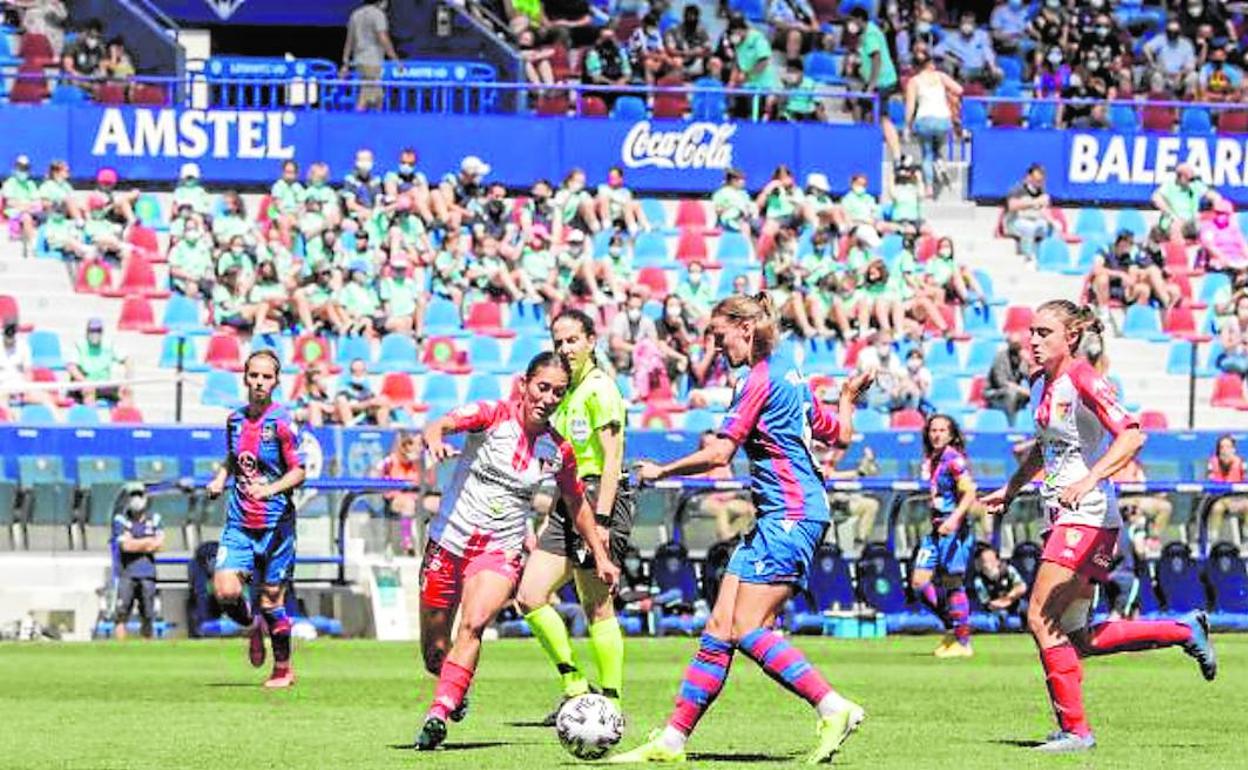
(1088, 250)
(1124, 118)
(45, 350)
(890, 246)
(733, 248)
(1133, 220)
(442, 319)
(486, 355)
(398, 354)
(1227, 577)
(190, 354)
(947, 395)
(1179, 361)
(528, 318)
(982, 322)
(1143, 323)
(753, 10)
(1213, 283)
(1012, 69)
(68, 95)
(822, 357)
(1054, 255)
(1091, 222)
(655, 213)
(1041, 114)
(673, 574)
(824, 67)
(36, 414)
(980, 357)
(991, 421)
(985, 283)
(83, 415)
(182, 314)
(880, 581)
(974, 115)
(708, 105)
(869, 421)
(650, 249)
(1026, 559)
(1178, 579)
(523, 349)
(1195, 120)
(829, 585)
(351, 347)
(1025, 421)
(221, 389)
(440, 392)
(944, 358)
(483, 389)
(629, 108)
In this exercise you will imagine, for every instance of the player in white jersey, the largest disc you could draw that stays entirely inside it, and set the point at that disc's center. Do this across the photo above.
(472, 560)
(1075, 407)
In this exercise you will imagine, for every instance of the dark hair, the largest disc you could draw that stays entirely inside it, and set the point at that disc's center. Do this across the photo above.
(956, 439)
(1034, 167)
(860, 13)
(263, 353)
(581, 317)
(544, 359)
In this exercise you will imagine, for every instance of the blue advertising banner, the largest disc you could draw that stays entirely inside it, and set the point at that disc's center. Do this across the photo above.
(322, 13)
(248, 146)
(1105, 166)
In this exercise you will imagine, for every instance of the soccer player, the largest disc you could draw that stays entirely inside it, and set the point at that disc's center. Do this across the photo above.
(591, 417)
(472, 560)
(945, 551)
(774, 415)
(1074, 408)
(265, 465)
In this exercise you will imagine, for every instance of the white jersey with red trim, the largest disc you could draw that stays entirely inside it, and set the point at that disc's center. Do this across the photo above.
(1074, 413)
(501, 468)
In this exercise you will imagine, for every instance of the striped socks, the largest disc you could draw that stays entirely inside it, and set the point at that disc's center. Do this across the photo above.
(960, 615)
(702, 684)
(786, 664)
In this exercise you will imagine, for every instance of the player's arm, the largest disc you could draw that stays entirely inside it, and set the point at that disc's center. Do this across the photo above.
(838, 430)
(1098, 395)
(717, 452)
(470, 417)
(998, 500)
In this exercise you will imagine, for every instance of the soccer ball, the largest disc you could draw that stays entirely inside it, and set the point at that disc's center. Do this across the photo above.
(589, 726)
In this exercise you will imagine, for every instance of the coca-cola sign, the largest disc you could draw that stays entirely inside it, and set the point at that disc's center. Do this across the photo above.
(695, 146)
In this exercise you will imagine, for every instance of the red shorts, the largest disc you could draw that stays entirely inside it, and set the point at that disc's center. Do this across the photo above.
(1087, 550)
(442, 573)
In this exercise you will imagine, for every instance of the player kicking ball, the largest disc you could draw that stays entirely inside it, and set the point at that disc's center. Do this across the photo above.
(774, 415)
(472, 560)
(263, 466)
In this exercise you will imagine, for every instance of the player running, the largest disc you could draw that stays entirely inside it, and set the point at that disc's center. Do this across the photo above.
(946, 550)
(591, 417)
(774, 416)
(1074, 408)
(263, 459)
(472, 560)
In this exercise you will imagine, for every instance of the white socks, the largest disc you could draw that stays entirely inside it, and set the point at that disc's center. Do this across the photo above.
(672, 739)
(832, 703)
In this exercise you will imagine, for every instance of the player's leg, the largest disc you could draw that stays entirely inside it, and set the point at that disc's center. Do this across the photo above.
(235, 562)
(545, 572)
(279, 567)
(1056, 589)
(606, 641)
(928, 593)
(955, 557)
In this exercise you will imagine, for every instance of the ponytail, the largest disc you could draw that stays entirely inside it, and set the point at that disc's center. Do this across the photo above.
(1081, 320)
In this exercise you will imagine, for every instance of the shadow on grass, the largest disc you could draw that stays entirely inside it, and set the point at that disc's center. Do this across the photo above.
(1017, 742)
(244, 685)
(462, 746)
(698, 756)
(529, 724)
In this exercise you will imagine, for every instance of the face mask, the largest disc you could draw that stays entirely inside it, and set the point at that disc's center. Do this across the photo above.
(1195, 10)
(1172, 34)
(360, 278)
(968, 30)
(22, 175)
(1033, 189)
(923, 27)
(1093, 349)
(1055, 58)
(946, 253)
(1094, 64)
(634, 314)
(615, 182)
(191, 235)
(695, 278)
(1016, 4)
(859, 189)
(883, 350)
(365, 168)
(914, 365)
(407, 169)
(1217, 65)
(1102, 31)
(137, 503)
(1221, 220)
(853, 28)
(236, 249)
(1054, 4)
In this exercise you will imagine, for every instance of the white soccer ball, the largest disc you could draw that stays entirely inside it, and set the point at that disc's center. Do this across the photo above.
(589, 726)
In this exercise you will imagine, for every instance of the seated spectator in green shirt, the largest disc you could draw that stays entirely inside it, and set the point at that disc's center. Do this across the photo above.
(190, 192)
(231, 308)
(906, 196)
(64, 233)
(1179, 202)
(316, 305)
(286, 196)
(734, 208)
(860, 206)
(359, 301)
(402, 301)
(696, 294)
(21, 202)
(270, 295)
(233, 220)
(237, 256)
(57, 189)
(95, 361)
(191, 268)
(450, 268)
(821, 206)
(617, 207)
(539, 269)
(606, 64)
(799, 102)
(357, 403)
(617, 266)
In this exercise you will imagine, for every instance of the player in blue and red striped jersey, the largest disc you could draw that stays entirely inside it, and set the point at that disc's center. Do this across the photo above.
(946, 551)
(774, 416)
(265, 465)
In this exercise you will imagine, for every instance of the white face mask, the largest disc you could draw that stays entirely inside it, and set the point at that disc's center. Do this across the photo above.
(634, 314)
(137, 503)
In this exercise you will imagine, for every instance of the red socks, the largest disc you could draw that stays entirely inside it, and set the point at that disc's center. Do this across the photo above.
(1133, 635)
(1063, 673)
(453, 683)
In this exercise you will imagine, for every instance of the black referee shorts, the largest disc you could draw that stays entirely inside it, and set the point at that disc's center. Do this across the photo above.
(559, 535)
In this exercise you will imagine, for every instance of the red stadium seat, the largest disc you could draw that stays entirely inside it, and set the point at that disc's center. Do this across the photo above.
(137, 316)
(1017, 320)
(925, 247)
(224, 352)
(852, 350)
(594, 107)
(907, 419)
(1228, 391)
(487, 318)
(976, 396)
(691, 214)
(40, 374)
(144, 238)
(625, 25)
(110, 93)
(313, 349)
(1007, 115)
(1233, 122)
(691, 247)
(655, 279)
(1153, 420)
(125, 415)
(400, 391)
(137, 277)
(656, 418)
(149, 95)
(9, 309)
(555, 105)
(1158, 118)
(1176, 258)
(4, 414)
(1185, 289)
(31, 86)
(36, 50)
(1180, 321)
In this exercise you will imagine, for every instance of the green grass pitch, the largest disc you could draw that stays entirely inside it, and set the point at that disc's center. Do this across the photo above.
(358, 704)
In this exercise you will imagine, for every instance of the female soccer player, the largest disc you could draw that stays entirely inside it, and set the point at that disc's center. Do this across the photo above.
(263, 458)
(591, 418)
(472, 560)
(947, 549)
(774, 415)
(1074, 407)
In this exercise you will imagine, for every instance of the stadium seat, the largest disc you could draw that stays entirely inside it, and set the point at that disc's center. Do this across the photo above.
(36, 414)
(981, 323)
(45, 350)
(486, 355)
(700, 421)
(125, 415)
(100, 480)
(828, 587)
(483, 388)
(691, 247)
(1233, 121)
(821, 357)
(974, 115)
(907, 419)
(1026, 559)
(92, 277)
(148, 211)
(691, 215)
(1007, 114)
(312, 349)
(221, 388)
(399, 389)
(398, 354)
(82, 415)
(655, 279)
(1151, 419)
(556, 105)
(349, 348)
(137, 316)
(36, 50)
(9, 310)
(1143, 323)
(1054, 255)
(224, 352)
(593, 107)
(991, 421)
(151, 469)
(650, 249)
(1040, 114)
(944, 358)
(1228, 391)
(734, 248)
(1133, 221)
(1179, 321)
(1017, 320)
(1209, 288)
(1227, 578)
(869, 421)
(137, 277)
(708, 105)
(443, 355)
(523, 350)
(487, 318)
(629, 108)
(441, 394)
(1155, 118)
(1123, 118)
(442, 319)
(823, 67)
(980, 357)
(672, 573)
(110, 93)
(1178, 580)
(880, 582)
(1195, 120)
(656, 214)
(1091, 223)
(946, 394)
(1179, 361)
(182, 315)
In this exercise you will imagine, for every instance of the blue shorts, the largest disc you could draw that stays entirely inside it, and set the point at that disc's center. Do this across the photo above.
(777, 551)
(266, 553)
(946, 554)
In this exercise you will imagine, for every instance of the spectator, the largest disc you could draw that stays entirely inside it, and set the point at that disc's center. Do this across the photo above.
(1049, 29)
(271, 296)
(578, 272)
(539, 210)
(1027, 217)
(906, 199)
(65, 234)
(859, 508)
(606, 64)
(117, 64)
(1052, 74)
(784, 278)
(20, 194)
(696, 294)
(1220, 80)
(95, 361)
(1143, 509)
(919, 381)
(795, 26)
(1225, 465)
(406, 182)
(1207, 20)
(1007, 387)
(616, 269)
(832, 295)
(367, 46)
(688, 44)
(781, 203)
(629, 329)
(316, 305)
(1179, 202)
(753, 68)
(356, 402)
(1008, 25)
(954, 282)
(734, 208)
(540, 269)
(314, 406)
(893, 389)
(1171, 61)
(402, 300)
(47, 18)
(1122, 588)
(191, 266)
(359, 301)
(676, 337)
(799, 100)
(1083, 99)
(733, 514)
(1222, 303)
(1233, 334)
(923, 32)
(493, 274)
(859, 206)
(56, 189)
(968, 55)
(317, 190)
(1107, 44)
(137, 535)
(406, 462)
(231, 309)
(820, 206)
(362, 189)
(570, 22)
(190, 191)
(1223, 247)
(83, 59)
(286, 199)
(929, 93)
(116, 205)
(575, 206)
(711, 379)
(649, 59)
(464, 193)
(537, 58)
(877, 72)
(616, 207)
(998, 585)
(17, 370)
(1114, 278)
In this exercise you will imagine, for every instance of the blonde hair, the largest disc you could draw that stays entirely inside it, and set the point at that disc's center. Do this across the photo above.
(758, 309)
(1081, 320)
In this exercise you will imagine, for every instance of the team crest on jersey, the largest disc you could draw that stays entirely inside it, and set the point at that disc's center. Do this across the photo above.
(546, 454)
(1073, 536)
(1061, 409)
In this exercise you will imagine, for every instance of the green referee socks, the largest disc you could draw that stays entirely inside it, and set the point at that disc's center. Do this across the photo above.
(549, 629)
(607, 644)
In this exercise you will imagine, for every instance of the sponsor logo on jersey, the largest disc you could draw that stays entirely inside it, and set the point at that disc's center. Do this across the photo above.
(579, 429)
(267, 432)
